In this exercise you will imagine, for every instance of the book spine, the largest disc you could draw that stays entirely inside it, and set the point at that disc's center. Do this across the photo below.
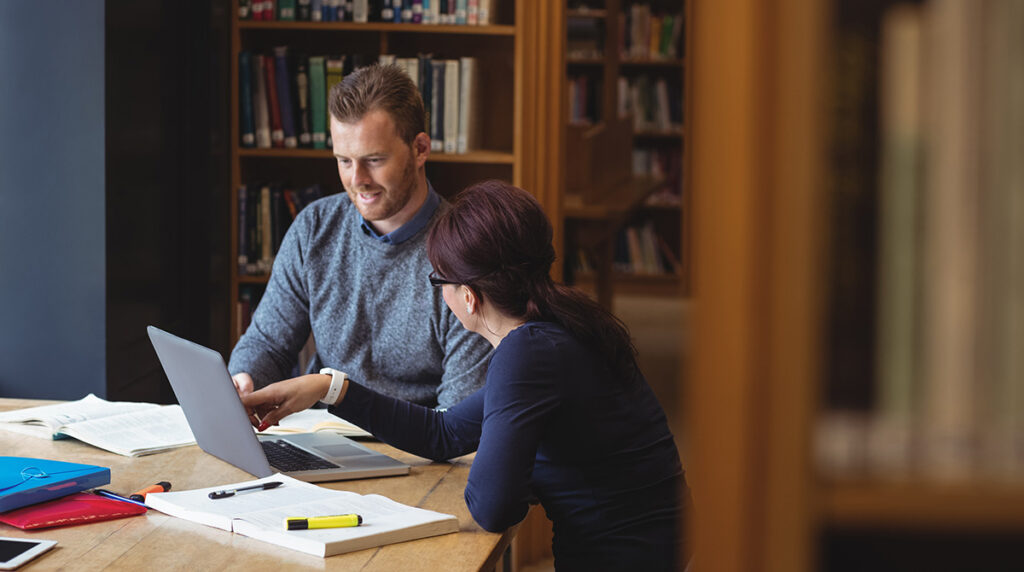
(437, 106)
(284, 83)
(335, 66)
(361, 11)
(270, 82)
(467, 103)
(460, 12)
(248, 135)
(302, 97)
(451, 106)
(261, 115)
(303, 12)
(426, 83)
(243, 231)
(317, 98)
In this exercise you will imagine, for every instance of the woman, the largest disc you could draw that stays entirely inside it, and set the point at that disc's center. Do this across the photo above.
(565, 416)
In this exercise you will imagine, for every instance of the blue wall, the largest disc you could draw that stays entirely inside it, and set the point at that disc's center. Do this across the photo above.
(52, 254)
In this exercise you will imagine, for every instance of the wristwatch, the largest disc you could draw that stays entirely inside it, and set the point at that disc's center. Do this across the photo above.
(337, 384)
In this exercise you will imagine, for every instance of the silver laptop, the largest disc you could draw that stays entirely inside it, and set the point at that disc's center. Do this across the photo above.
(219, 422)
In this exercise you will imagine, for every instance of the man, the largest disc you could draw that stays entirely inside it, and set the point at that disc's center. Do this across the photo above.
(353, 268)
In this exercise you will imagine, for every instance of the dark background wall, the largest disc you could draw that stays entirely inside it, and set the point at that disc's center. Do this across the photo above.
(52, 257)
(113, 212)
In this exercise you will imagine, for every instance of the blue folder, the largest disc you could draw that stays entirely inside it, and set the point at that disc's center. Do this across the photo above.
(26, 480)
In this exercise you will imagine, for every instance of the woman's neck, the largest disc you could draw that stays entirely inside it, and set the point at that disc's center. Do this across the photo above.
(494, 325)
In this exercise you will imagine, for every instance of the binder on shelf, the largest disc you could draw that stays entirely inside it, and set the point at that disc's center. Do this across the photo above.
(27, 480)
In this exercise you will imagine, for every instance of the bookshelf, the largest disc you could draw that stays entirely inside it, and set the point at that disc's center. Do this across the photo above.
(626, 92)
(511, 73)
(768, 119)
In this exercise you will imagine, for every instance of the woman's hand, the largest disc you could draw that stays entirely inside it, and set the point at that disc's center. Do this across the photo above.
(278, 400)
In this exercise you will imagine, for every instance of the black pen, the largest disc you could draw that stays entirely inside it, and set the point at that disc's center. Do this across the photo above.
(232, 492)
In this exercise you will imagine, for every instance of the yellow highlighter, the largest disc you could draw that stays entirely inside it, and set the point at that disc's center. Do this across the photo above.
(333, 521)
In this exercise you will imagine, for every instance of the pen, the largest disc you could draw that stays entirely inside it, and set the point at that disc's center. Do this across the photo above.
(115, 496)
(335, 521)
(232, 492)
(140, 495)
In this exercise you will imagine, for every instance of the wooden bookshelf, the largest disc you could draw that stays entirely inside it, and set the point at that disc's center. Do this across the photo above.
(761, 139)
(600, 164)
(511, 54)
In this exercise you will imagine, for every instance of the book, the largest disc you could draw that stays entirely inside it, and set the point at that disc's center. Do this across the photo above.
(261, 115)
(314, 420)
(77, 508)
(318, 101)
(285, 98)
(451, 106)
(302, 101)
(261, 515)
(273, 102)
(127, 428)
(26, 480)
(245, 100)
(437, 105)
(335, 67)
(469, 107)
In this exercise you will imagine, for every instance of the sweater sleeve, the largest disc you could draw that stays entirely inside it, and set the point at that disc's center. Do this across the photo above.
(429, 433)
(269, 348)
(465, 362)
(521, 397)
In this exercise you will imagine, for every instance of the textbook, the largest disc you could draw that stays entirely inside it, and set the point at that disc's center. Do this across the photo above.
(123, 427)
(261, 515)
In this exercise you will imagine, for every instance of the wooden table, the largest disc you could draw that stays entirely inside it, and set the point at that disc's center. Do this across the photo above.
(155, 541)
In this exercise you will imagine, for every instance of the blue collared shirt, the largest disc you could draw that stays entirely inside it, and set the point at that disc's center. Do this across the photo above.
(415, 224)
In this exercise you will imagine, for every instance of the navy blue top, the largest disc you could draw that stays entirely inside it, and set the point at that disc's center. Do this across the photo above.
(553, 424)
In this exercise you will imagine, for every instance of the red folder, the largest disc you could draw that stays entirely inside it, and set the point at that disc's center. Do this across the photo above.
(78, 508)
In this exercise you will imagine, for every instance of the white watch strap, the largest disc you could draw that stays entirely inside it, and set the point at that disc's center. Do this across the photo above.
(337, 383)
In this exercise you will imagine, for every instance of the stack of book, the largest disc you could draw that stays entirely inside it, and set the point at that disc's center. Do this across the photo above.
(265, 211)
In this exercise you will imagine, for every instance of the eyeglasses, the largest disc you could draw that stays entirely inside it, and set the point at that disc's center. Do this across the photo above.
(436, 280)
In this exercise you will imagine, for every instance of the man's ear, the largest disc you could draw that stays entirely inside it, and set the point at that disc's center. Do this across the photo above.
(421, 148)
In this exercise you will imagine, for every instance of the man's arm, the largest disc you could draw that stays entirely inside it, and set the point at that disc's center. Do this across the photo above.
(465, 362)
(269, 348)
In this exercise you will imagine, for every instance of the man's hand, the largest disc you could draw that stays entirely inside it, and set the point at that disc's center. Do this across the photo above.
(243, 383)
(278, 400)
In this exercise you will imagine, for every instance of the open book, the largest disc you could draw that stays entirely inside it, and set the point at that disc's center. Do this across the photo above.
(313, 420)
(262, 514)
(126, 428)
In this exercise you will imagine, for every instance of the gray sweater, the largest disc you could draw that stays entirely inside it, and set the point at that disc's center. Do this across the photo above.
(371, 309)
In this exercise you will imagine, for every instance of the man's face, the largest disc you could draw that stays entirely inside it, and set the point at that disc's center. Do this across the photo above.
(379, 170)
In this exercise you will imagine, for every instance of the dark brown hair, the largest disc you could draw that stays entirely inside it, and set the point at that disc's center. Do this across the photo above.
(384, 87)
(496, 239)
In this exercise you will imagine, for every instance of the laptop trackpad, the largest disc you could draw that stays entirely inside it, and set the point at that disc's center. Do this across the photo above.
(330, 445)
(340, 450)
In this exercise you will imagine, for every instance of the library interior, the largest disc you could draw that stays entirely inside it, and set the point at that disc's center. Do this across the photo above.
(802, 210)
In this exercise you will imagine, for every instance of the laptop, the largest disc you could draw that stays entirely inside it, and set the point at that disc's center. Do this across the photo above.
(215, 413)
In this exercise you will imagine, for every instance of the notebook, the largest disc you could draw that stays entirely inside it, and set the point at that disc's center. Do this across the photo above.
(215, 413)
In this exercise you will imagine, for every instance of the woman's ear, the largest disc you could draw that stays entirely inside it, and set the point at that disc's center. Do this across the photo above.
(470, 299)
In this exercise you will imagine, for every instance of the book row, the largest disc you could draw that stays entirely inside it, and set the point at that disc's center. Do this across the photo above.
(655, 103)
(283, 97)
(639, 249)
(264, 214)
(451, 12)
(941, 393)
(646, 35)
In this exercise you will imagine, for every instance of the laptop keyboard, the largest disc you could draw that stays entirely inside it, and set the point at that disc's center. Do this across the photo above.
(287, 458)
